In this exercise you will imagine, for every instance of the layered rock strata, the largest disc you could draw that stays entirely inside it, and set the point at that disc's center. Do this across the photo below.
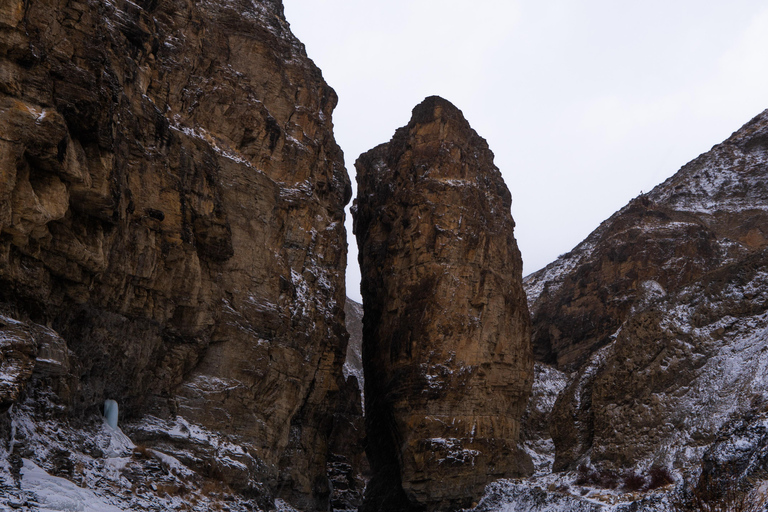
(446, 349)
(171, 204)
(662, 312)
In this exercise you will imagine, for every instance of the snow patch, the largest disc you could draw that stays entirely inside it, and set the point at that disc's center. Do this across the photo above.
(54, 494)
(451, 451)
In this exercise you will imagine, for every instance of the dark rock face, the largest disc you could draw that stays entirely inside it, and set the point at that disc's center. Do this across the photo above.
(446, 351)
(171, 203)
(737, 458)
(348, 467)
(353, 314)
(662, 312)
(18, 351)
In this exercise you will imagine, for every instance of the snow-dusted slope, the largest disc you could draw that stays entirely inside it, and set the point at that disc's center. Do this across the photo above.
(548, 383)
(90, 467)
(52, 493)
(660, 321)
(711, 213)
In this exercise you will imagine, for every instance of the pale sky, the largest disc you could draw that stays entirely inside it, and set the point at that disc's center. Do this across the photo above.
(584, 103)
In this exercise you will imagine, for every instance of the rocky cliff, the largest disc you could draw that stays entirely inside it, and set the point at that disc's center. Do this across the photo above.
(659, 321)
(171, 237)
(446, 351)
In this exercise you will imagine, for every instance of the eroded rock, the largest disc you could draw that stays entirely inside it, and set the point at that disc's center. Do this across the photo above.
(18, 350)
(446, 351)
(711, 213)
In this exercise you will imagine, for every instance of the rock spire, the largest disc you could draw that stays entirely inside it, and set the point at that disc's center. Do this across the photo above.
(446, 336)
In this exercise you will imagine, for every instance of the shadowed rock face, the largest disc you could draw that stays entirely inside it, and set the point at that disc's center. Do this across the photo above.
(171, 203)
(348, 467)
(446, 330)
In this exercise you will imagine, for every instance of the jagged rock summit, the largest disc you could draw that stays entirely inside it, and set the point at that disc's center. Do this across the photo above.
(446, 329)
(710, 213)
(690, 258)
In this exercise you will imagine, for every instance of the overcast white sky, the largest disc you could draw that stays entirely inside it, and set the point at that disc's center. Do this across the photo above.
(584, 103)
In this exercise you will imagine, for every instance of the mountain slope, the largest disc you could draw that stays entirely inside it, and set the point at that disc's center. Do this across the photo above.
(712, 212)
(659, 319)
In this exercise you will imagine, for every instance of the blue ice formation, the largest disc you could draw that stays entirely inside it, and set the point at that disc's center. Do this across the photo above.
(110, 413)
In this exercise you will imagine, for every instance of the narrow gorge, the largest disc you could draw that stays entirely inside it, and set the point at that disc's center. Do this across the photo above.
(174, 328)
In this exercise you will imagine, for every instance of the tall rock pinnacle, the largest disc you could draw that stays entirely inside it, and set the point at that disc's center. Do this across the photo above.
(446, 336)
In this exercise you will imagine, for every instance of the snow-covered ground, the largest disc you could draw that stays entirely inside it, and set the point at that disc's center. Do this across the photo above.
(558, 493)
(54, 494)
(95, 468)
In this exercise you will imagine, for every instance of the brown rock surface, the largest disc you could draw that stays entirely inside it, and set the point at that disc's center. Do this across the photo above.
(707, 214)
(661, 311)
(446, 347)
(679, 370)
(171, 202)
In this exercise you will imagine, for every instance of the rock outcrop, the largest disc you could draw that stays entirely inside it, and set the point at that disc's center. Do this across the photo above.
(446, 350)
(662, 313)
(353, 313)
(171, 205)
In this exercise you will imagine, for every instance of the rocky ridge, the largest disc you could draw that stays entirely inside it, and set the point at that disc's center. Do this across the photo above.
(171, 237)
(658, 320)
(446, 347)
(711, 213)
